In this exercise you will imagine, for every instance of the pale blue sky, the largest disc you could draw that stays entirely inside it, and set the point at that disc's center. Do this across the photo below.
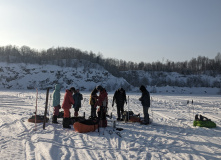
(132, 30)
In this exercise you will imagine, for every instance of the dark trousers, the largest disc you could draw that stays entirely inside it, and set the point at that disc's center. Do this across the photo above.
(102, 112)
(76, 109)
(93, 111)
(146, 114)
(120, 110)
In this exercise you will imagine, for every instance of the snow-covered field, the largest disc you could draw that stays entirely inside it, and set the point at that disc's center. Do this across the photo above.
(170, 136)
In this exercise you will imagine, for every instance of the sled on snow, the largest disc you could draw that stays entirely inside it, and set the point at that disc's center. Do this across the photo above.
(202, 121)
(89, 125)
(76, 119)
(39, 119)
(132, 117)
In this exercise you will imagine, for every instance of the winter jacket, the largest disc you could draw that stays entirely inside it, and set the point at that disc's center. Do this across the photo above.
(102, 99)
(120, 97)
(56, 95)
(77, 99)
(145, 98)
(68, 100)
(93, 97)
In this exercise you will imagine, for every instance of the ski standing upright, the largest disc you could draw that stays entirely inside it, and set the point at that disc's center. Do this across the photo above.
(36, 109)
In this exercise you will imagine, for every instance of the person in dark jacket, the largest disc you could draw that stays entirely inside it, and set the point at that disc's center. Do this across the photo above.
(120, 99)
(77, 101)
(68, 101)
(145, 101)
(93, 100)
(56, 102)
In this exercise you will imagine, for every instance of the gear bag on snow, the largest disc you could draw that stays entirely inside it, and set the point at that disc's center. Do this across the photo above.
(132, 116)
(39, 119)
(125, 115)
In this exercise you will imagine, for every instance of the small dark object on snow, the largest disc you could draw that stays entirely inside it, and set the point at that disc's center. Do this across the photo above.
(202, 118)
(119, 129)
(143, 123)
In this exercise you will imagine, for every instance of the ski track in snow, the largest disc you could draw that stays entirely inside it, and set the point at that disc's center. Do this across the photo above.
(170, 136)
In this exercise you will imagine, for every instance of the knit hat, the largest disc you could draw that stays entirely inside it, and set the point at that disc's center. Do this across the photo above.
(72, 89)
(99, 87)
(142, 88)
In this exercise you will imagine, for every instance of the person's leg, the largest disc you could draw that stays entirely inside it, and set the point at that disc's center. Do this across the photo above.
(76, 111)
(56, 110)
(92, 111)
(101, 112)
(55, 114)
(66, 119)
(121, 111)
(118, 112)
(66, 113)
(146, 115)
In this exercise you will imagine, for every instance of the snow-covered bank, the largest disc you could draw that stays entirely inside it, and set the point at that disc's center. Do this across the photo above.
(185, 90)
(86, 76)
(170, 136)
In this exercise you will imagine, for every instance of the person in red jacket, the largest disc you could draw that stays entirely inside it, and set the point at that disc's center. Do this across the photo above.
(67, 103)
(102, 101)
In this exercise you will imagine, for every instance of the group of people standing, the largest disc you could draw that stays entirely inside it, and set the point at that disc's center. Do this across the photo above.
(73, 98)
(120, 99)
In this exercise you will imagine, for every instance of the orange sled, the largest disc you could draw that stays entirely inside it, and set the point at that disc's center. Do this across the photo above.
(85, 126)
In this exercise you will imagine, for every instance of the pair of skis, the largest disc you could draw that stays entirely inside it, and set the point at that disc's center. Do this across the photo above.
(114, 128)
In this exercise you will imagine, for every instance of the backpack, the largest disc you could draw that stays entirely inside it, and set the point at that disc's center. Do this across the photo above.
(125, 115)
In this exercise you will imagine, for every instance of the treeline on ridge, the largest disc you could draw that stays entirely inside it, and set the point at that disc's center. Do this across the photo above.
(56, 56)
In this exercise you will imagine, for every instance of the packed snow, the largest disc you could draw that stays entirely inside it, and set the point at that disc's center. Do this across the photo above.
(170, 136)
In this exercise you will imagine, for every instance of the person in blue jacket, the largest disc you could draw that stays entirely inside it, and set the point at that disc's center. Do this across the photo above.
(77, 101)
(56, 102)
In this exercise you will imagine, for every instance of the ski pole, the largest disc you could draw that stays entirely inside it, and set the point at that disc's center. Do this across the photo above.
(128, 107)
(151, 107)
(187, 103)
(46, 107)
(49, 106)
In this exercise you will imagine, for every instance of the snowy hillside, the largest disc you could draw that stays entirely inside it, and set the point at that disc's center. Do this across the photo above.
(30, 76)
(161, 78)
(86, 75)
(170, 136)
